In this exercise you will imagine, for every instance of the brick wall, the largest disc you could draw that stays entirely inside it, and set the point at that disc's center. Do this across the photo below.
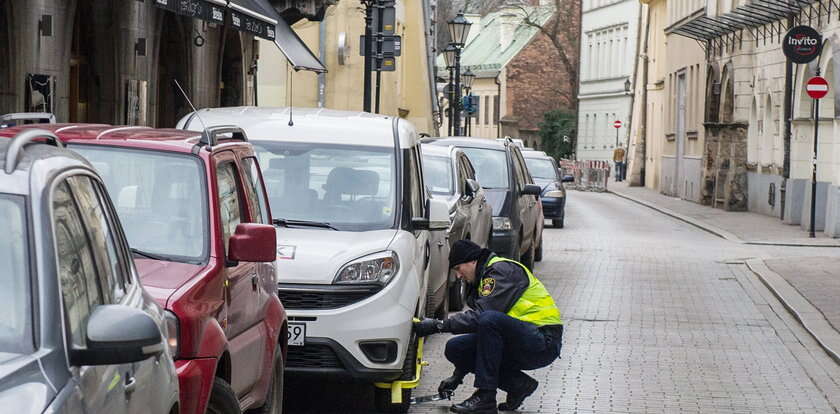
(538, 81)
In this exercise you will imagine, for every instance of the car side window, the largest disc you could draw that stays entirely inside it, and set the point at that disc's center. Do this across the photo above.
(463, 175)
(469, 168)
(525, 174)
(77, 275)
(518, 170)
(256, 195)
(416, 183)
(102, 235)
(230, 201)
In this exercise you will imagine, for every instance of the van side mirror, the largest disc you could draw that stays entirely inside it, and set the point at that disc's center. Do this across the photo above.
(532, 189)
(253, 242)
(568, 179)
(472, 187)
(438, 219)
(118, 334)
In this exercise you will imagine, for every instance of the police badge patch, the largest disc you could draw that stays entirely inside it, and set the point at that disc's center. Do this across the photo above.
(487, 286)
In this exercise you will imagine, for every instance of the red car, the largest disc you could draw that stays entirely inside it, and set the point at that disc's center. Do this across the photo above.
(194, 210)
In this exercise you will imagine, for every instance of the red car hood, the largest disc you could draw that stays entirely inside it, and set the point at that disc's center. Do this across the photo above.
(161, 278)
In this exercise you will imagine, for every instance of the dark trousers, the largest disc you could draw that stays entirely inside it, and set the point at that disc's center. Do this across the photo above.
(620, 171)
(501, 349)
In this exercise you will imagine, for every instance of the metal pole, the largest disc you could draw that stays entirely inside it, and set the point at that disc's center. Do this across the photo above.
(450, 96)
(814, 170)
(379, 41)
(368, 54)
(457, 122)
(616, 137)
(788, 108)
(469, 115)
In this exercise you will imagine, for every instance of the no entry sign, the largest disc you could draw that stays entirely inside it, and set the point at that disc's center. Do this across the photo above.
(617, 124)
(817, 87)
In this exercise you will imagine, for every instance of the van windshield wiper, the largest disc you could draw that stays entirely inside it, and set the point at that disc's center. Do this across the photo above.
(149, 255)
(303, 223)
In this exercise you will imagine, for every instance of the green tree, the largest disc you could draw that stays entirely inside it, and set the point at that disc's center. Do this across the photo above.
(557, 131)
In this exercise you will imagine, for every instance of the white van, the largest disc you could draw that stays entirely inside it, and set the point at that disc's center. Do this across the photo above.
(354, 219)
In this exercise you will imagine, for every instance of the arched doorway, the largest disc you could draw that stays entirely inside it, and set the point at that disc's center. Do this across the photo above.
(92, 83)
(231, 86)
(173, 64)
(7, 84)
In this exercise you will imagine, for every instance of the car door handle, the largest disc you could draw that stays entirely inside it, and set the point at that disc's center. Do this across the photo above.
(130, 383)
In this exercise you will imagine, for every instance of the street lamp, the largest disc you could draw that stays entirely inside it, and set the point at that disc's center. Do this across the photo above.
(449, 56)
(467, 78)
(459, 28)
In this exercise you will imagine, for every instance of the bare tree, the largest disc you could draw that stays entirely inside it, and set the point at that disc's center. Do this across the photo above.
(563, 31)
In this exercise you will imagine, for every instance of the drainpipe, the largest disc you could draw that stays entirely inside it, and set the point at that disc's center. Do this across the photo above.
(641, 151)
(499, 115)
(787, 133)
(322, 53)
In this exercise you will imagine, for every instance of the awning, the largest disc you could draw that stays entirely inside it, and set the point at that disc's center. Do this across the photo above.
(746, 16)
(257, 17)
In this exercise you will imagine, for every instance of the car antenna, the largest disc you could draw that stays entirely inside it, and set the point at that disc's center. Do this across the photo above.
(291, 101)
(187, 98)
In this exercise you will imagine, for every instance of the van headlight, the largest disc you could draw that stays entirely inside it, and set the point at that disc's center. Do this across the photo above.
(501, 223)
(376, 268)
(172, 332)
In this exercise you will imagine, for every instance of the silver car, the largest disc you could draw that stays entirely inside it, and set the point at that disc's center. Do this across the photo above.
(78, 334)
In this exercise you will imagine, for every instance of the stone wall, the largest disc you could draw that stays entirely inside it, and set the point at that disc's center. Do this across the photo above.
(725, 181)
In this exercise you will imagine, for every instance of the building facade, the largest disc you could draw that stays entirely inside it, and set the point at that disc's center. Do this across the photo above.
(114, 62)
(407, 92)
(519, 72)
(755, 142)
(608, 42)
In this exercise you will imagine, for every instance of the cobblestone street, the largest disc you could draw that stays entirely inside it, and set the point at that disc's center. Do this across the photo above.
(661, 317)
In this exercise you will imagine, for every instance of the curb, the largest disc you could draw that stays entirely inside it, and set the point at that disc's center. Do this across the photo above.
(717, 231)
(811, 318)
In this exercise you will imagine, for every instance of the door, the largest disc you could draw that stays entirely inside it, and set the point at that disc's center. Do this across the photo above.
(257, 200)
(103, 388)
(242, 330)
(526, 203)
(482, 219)
(678, 187)
(417, 205)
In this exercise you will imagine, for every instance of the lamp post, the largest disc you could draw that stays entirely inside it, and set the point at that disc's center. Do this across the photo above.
(449, 57)
(459, 28)
(467, 78)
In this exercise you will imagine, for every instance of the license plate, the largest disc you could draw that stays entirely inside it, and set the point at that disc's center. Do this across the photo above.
(297, 334)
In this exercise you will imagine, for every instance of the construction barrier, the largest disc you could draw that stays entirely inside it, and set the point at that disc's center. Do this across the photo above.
(589, 175)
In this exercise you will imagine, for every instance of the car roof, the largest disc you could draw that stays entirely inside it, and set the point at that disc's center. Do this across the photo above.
(438, 150)
(307, 125)
(18, 181)
(471, 143)
(127, 136)
(536, 154)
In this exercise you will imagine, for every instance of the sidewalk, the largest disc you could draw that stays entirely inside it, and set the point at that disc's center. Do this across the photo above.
(809, 287)
(739, 227)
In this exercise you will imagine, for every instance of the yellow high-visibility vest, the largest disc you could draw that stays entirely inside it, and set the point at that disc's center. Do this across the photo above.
(536, 304)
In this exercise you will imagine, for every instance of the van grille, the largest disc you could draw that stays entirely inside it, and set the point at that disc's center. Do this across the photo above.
(312, 356)
(333, 297)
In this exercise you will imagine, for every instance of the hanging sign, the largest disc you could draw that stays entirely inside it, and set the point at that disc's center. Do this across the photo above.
(817, 87)
(802, 44)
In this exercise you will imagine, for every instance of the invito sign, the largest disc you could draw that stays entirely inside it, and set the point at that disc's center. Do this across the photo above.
(802, 44)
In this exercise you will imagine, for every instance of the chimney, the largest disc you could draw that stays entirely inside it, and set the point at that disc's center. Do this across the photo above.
(507, 27)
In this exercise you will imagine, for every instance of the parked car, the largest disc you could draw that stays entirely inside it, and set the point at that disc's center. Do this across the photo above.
(78, 334)
(196, 219)
(546, 174)
(512, 194)
(450, 176)
(354, 250)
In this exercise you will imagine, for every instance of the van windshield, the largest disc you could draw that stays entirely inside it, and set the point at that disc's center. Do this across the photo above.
(491, 167)
(160, 198)
(349, 187)
(15, 296)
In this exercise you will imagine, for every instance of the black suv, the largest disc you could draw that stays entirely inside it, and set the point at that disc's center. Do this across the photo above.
(512, 194)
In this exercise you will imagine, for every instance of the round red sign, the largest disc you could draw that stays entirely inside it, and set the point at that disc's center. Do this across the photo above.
(817, 87)
(617, 124)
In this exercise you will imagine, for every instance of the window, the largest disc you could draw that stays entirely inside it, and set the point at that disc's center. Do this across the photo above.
(519, 171)
(230, 203)
(496, 110)
(487, 110)
(112, 275)
(437, 171)
(15, 296)
(416, 184)
(76, 270)
(256, 195)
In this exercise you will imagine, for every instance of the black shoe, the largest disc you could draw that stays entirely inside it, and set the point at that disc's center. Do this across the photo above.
(515, 397)
(481, 402)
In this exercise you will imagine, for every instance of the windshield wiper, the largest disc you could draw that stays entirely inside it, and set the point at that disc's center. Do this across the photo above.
(149, 255)
(303, 223)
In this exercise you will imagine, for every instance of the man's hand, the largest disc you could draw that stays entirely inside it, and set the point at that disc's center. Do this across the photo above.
(447, 387)
(428, 327)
